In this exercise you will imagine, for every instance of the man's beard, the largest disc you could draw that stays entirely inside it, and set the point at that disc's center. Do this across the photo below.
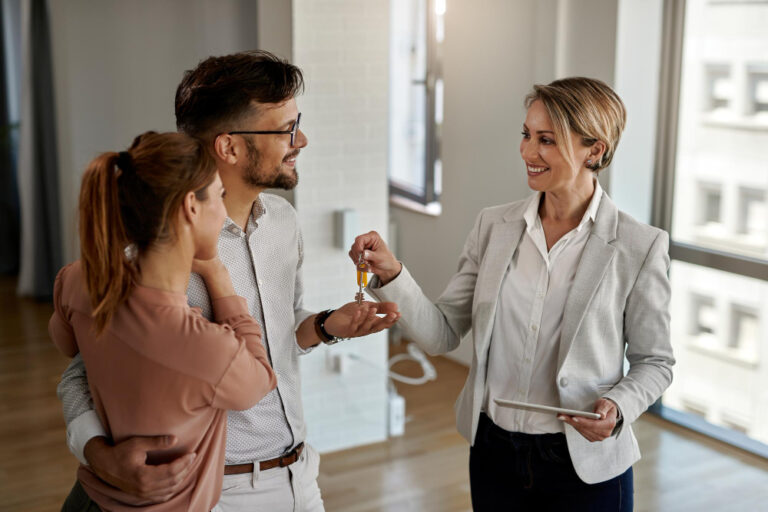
(277, 179)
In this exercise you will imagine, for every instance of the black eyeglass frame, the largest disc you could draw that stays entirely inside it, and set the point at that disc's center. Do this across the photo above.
(293, 131)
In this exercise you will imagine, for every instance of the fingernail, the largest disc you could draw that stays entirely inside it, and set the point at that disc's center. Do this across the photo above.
(561, 417)
(575, 420)
(367, 254)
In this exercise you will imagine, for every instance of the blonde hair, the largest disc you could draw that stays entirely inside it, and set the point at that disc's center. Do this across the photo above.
(587, 107)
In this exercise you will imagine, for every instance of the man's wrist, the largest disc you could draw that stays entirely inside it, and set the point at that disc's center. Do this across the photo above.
(322, 333)
(92, 449)
(81, 430)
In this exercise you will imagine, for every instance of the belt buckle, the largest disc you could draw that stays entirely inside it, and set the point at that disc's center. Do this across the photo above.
(285, 460)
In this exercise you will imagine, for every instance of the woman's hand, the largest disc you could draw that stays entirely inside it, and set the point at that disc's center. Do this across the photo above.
(595, 430)
(216, 277)
(377, 255)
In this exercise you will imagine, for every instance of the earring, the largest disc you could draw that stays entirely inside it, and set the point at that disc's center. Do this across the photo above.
(589, 162)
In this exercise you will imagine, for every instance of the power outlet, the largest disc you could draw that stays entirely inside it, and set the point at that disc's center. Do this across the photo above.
(336, 362)
(396, 415)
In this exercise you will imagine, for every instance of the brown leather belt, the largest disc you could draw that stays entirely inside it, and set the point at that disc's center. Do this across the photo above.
(282, 461)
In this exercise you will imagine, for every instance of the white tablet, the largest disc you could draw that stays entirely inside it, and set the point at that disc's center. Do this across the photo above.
(545, 408)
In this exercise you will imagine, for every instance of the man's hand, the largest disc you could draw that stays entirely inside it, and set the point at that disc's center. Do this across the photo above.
(352, 320)
(124, 466)
(595, 430)
(377, 255)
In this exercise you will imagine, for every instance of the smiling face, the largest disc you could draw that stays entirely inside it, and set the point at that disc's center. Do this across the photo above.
(548, 169)
(271, 160)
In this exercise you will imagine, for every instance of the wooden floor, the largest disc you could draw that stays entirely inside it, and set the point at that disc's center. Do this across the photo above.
(425, 470)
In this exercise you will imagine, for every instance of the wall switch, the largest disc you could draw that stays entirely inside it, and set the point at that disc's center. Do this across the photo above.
(345, 228)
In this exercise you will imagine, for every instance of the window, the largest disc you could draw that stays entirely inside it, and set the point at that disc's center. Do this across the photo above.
(753, 214)
(758, 90)
(719, 88)
(710, 199)
(712, 195)
(703, 315)
(416, 103)
(693, 407)
(744, 329)
(736, 424)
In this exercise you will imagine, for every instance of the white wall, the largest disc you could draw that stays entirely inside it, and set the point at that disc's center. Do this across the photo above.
(342, 47)
(638, 61)
(494, 51)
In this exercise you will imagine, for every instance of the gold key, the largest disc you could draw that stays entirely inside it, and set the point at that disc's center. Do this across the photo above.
(362, 279)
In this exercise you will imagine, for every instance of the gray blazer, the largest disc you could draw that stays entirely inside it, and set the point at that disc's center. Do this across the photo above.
(618, 304)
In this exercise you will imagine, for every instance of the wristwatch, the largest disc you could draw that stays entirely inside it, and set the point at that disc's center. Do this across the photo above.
(325, 337)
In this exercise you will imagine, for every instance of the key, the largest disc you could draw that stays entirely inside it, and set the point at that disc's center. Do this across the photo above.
(362, 279)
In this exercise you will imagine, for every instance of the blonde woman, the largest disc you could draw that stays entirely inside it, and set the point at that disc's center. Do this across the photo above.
(556, 289)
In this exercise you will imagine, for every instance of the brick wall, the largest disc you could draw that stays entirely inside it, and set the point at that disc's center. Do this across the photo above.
(342, 47)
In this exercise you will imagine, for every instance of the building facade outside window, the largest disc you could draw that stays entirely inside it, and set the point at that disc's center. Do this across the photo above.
(714, 201)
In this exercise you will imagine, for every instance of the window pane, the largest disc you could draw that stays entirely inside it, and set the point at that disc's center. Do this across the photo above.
(408, 94)
(719, 320)
(721, 176)
(720, 337)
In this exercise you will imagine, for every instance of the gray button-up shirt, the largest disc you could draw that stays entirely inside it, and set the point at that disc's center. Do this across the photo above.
(265, 265)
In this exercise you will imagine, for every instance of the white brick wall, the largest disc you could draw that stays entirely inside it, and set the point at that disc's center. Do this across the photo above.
(342, 48)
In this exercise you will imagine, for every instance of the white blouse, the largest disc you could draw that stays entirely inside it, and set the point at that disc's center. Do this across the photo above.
(522, 361)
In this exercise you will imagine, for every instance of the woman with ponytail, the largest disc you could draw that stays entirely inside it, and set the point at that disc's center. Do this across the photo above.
(148, 217)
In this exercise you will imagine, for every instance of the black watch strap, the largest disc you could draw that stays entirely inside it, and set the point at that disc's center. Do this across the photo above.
(324, 336)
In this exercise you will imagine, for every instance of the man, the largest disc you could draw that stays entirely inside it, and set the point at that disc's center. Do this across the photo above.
(243, 107)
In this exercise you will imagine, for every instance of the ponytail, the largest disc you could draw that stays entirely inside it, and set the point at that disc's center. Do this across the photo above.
(107, 269)
(128, 202)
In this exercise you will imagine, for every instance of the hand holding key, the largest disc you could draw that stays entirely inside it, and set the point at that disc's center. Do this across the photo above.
(376, 255)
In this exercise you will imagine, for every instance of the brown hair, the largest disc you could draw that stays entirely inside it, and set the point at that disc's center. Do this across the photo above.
(216, 94)
(587, 107)
(127, 203)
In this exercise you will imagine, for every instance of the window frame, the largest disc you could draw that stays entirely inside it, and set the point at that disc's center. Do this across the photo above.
(673, 32)
(428, 202)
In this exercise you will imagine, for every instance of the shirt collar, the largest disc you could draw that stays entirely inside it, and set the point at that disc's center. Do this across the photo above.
(531, 214)
(258, 210)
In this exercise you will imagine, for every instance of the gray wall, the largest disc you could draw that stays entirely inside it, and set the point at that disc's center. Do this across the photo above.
(116, 68)
(494, 51)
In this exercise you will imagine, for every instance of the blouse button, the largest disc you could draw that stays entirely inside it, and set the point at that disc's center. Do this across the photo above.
(563, 382)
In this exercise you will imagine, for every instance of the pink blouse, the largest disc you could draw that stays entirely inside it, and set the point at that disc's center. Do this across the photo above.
(160, 368)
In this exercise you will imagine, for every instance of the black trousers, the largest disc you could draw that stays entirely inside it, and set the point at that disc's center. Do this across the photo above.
(514, 471)
(79, 501)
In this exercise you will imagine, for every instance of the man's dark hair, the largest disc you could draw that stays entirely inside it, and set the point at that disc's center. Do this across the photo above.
(219, 91)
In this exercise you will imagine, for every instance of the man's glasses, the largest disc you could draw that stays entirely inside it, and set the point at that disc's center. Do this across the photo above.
(293, 131)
